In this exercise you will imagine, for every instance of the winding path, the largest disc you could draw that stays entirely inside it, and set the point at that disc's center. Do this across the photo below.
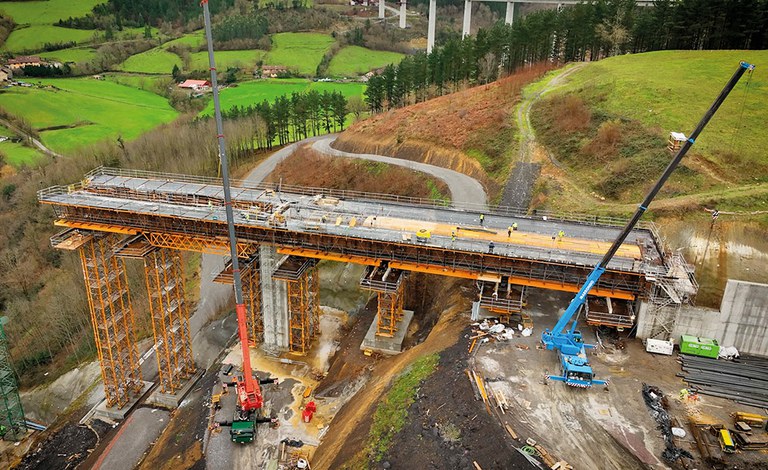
(34, 141)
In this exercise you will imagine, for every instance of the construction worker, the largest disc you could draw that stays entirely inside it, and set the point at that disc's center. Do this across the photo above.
(514, 226)
(715, 214)
(560, 234)
(509, 231)
(482, 218)
(490, 247)
(453, 236)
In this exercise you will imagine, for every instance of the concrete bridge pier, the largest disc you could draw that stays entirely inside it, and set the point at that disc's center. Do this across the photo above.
(381, 9)
(402, 14)
(274, 298)
(509, 17)
(467, 18)
(431, 27)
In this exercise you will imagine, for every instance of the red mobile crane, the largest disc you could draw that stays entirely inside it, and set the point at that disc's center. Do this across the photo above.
(249, 398)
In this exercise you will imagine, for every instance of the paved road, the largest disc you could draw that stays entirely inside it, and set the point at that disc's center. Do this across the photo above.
(34, 141)
(465, 190)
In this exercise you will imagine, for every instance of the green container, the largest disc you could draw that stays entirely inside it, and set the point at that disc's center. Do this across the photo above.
(705, 347)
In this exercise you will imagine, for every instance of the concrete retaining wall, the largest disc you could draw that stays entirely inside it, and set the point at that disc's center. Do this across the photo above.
(742, 320)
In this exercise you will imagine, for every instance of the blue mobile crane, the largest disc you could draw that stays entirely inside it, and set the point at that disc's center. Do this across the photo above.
(567, 340)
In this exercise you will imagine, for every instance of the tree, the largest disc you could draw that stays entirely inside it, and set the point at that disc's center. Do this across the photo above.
(176, 74)
(147, 32)
(356, 105)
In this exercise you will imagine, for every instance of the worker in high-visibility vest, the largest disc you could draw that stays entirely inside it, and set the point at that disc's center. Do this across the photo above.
(514, 226)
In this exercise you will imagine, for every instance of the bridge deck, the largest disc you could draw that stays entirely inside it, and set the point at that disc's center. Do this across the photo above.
(110, 201)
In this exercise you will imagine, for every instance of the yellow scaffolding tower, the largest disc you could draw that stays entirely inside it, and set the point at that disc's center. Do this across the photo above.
(303, 310)
(170, 318)
(390, 310)
(112, 318)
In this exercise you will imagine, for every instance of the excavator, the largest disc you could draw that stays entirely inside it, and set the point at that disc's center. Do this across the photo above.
(564, 337)
(249, 398)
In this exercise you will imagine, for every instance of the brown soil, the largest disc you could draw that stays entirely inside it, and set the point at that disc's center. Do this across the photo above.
(180, 444)
(349, 428)
(353, 174)
(448, 428)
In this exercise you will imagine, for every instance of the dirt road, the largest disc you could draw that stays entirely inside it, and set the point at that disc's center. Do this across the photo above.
(519, 188)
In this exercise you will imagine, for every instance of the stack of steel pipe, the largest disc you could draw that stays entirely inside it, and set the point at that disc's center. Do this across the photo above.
(744, 380)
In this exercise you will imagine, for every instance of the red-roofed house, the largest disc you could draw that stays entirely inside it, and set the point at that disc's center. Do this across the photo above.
(23, 61)
(195, 85)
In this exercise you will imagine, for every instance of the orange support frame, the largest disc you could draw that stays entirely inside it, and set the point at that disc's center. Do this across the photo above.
(390, 310)
(170, 318)
(303, 311)
(109, 301)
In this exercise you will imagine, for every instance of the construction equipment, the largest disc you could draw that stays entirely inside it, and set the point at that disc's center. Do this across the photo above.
(576, 370)
(249, 398)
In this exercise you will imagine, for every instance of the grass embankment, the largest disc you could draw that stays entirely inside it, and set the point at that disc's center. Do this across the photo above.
(356, 175)
(301, 52)
(86, 111)
(355, 60)
(608, 128)
(390, 416)
(34, 37)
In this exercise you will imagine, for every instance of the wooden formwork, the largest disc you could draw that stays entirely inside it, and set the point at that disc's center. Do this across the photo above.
(112, 318)
(170, 318)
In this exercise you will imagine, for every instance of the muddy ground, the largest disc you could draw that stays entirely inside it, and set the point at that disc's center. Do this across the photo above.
(448, 428)
(66, 448)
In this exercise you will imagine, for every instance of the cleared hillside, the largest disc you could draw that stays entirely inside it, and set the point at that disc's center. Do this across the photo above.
(471, 131)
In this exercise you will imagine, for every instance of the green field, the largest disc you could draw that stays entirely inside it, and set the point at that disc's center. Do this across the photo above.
(356, 60)
(256, 91)
(671, 90)
(34, 37)
(155, 60)
(47, 12)
(301, 52)
(99, 109)
(74, 54)
(192, 40)
(246, 60)
(18, 154)
(140, 81)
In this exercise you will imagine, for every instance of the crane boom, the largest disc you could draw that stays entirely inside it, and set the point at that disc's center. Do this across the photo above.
(248, 391)
(576, 369)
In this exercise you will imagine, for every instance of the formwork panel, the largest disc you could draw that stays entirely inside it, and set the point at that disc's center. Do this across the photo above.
(112, 319)
(170, 318)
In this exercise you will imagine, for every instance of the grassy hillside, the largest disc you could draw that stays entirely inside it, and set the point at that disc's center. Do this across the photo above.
(47, 12)
(256, 91)
(245, 60)
(191, 40)
(74, 54)
(84, 111)
(153, 61)
(609, 124)
(300, 51)
(356, 60)
(35, 36)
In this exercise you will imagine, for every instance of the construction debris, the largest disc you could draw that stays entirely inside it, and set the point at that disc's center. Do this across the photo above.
(744, 380)
(654, 398)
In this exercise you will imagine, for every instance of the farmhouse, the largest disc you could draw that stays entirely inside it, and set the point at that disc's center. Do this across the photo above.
(23, 61)
(195, 85)
(270, 71)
